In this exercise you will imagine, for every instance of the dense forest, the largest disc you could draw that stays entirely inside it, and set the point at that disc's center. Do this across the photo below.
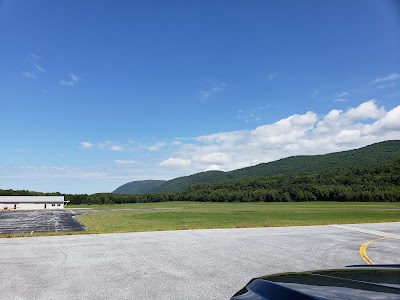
(360, 183)
(139, 187)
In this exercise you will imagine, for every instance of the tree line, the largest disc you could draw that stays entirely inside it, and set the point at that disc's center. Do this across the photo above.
(373, 183)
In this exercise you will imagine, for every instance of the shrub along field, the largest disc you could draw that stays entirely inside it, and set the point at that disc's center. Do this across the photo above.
(198, 215)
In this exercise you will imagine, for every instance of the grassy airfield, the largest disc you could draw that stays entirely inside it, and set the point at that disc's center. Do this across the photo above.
(201, 215)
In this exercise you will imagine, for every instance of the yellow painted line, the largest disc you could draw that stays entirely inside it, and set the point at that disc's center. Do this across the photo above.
(363, 249)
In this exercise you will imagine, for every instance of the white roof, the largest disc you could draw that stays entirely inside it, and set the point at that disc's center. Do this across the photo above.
(32, 199)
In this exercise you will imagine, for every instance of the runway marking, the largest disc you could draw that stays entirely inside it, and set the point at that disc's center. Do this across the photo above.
(373, 232)
(363, 249)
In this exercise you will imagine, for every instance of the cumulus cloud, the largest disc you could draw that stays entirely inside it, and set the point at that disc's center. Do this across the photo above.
(366, 110)
(175, 162)
(214, 168)
(213, 158)
(390, 122)
(287, 130)
(299, 134)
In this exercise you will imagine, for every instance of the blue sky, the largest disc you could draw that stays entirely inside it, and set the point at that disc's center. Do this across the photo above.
(94, 94)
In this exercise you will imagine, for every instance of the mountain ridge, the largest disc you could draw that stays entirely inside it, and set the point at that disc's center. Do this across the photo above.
(138, 187)
(371, 155)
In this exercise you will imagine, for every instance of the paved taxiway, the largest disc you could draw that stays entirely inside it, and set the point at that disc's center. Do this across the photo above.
(22, 221)
(191, 264)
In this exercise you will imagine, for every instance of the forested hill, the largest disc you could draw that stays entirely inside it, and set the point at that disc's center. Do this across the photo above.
(357, 183)
(138, 187)
(372, 155)
(181, 183)
(379, 154)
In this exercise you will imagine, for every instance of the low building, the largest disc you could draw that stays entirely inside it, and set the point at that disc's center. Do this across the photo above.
(31, 202)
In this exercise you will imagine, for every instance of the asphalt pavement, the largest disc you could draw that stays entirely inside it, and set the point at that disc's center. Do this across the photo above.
(190, 264)
(22, 221)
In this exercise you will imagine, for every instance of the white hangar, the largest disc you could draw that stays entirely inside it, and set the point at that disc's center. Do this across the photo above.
(31, 202)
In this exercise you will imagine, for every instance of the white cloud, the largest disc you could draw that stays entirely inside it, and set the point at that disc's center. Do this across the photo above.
(384, 86)
(104, 145)
(176, 143)
(230, 137)
(392, 119)
(29, 75)
(215, 87)
(113, 146)
(343, 94)
(252, 115)
(214, 168)
(315, 93)
(128, 146)
(39, 68)
(389, 123)
(300, 134)
(390, 77)
(341, 97)
(365, 111)
(107, 145)
(156, 146)
(295, 125)
(175, 162)
(86, 145)
(117, 148)
(340, 100)
(34, 56)
(213, 158)
(73, 80)
(74, 77)
(248, 116)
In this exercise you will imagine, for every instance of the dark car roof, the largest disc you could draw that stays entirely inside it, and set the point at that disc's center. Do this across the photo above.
(377, 282)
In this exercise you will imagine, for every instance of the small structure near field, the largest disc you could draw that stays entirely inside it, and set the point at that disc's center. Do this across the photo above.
(31, 202)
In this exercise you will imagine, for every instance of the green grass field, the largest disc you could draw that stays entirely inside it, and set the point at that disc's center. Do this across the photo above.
(196, 215)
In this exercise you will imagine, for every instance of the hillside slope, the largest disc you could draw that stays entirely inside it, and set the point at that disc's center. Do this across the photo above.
(372, 155)
(181, 183)
(138, 187)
